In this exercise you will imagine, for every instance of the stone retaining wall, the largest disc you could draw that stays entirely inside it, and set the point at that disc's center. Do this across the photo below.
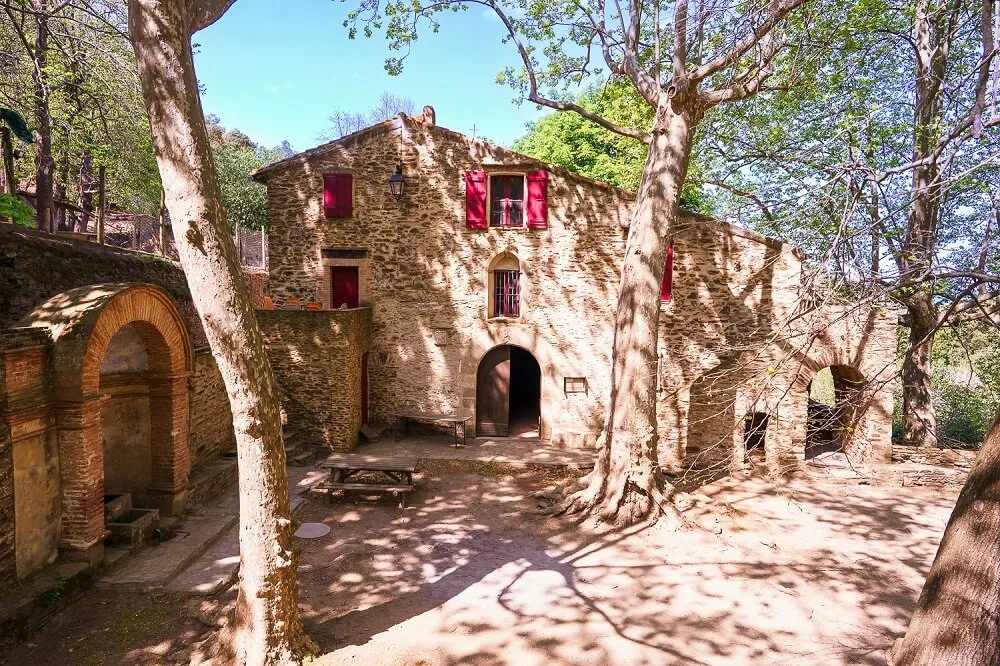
(317, 359)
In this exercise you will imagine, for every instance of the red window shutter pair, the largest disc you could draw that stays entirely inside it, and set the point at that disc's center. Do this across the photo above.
(668, 274)
(338, 195)
(537, 200)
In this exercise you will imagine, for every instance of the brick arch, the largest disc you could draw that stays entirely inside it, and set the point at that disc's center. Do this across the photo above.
(82, 323)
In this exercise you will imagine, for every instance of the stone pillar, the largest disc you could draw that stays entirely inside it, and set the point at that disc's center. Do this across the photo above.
(81, 463)
(168, 440)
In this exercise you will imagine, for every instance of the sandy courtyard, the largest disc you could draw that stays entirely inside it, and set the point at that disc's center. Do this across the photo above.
(474, 572)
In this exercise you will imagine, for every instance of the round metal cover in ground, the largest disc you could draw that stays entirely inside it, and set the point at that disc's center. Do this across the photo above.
(312, 530)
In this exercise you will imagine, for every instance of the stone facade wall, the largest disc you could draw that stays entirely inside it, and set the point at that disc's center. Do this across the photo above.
(425, 274)
(317, 358)
(256, 282)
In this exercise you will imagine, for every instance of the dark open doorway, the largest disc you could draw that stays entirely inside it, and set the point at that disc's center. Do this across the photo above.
(525, 393)
(755, 434)
(508, 393)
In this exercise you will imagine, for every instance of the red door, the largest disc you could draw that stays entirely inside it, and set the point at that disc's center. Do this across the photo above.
(364, 389)
(344, 290)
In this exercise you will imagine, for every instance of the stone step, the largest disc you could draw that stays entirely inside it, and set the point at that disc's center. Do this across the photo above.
(155, 566)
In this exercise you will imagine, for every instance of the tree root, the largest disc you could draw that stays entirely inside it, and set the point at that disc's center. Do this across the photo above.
(627, 505)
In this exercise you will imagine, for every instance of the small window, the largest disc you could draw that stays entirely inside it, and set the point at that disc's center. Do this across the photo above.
(506, 293)
(338, 195)
(506, 201)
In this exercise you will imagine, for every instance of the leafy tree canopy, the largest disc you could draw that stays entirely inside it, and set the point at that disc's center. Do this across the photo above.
(236, 157)
(571, 141)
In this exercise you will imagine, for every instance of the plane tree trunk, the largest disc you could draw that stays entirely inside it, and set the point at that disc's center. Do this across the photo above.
(625, 486)
(267, 629)
(957, 617)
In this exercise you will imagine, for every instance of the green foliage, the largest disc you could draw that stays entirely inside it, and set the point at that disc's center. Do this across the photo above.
(236, 158)
(13, 209)
(575, 143)
(571, 141)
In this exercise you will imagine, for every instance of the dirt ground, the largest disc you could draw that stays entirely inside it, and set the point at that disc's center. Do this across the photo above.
(475, 572)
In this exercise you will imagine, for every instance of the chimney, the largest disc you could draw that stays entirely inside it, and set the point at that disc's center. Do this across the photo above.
(430, 118)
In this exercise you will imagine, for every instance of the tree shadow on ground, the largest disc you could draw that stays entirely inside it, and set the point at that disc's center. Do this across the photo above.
(472, 573)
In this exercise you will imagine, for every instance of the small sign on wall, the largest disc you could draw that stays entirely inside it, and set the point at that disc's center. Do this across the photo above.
(440, 336)
(574, 384)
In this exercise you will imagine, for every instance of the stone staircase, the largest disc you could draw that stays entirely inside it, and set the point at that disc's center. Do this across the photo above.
(297, 452)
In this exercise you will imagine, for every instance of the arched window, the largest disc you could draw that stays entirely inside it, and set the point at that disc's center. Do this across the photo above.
(505, 286)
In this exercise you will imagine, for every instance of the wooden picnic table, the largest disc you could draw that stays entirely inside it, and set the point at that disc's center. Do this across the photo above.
(345, 466)
(456, 420)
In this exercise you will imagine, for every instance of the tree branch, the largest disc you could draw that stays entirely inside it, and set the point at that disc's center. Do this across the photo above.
(207, 12)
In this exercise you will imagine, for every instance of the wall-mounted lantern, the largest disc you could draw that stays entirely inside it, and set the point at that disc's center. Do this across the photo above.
(396, 182)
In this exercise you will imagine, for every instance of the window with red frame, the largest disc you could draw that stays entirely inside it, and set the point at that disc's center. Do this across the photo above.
(506, 201)
(668, 275)
(506, 293)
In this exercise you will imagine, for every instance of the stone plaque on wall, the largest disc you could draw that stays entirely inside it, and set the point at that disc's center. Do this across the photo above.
(440, 336)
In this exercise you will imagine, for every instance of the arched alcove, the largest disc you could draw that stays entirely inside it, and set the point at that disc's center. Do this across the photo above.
(835, 406)
(103, 327)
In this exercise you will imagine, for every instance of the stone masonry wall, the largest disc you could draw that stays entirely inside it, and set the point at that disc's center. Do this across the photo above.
(427, 273)
(426, 277)
(211, 417)
(36, 266)
(316, 357)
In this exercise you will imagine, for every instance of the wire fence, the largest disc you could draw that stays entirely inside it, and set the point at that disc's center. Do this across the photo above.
(141, 232)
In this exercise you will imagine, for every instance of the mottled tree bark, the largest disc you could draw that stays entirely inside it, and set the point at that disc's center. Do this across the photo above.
(44, 162)
(86, 189)
(931, 40)
(625, 486)
(919, 419)
(267, 626)
(957, 618)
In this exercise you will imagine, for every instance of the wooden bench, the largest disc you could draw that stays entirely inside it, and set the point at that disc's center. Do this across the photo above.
(344, 466)
(399, 491)
(456, 420)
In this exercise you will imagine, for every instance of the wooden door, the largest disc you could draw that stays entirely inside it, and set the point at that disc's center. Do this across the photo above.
(364, 389)
(344, 287)
(493, 393)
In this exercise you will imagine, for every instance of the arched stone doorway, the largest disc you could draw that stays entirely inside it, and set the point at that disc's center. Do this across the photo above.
(138, 329)
(835, 404)
(508, 393)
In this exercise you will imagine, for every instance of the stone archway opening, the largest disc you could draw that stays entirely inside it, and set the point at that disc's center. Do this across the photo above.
(834, 407)
(508, 393)
(125, 418)
(118, 349)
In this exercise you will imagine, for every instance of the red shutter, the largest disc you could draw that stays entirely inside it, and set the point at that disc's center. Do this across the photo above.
(475, 199)
(538, 204)
(338, 195)
(668, 275)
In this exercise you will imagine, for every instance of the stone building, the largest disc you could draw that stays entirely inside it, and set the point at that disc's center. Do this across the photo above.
(488, 286)
(112, 410)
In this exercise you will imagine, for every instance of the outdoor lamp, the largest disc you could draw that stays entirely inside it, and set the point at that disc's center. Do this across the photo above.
(396, 182)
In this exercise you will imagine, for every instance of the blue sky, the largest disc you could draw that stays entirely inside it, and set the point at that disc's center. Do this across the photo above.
(277, 70)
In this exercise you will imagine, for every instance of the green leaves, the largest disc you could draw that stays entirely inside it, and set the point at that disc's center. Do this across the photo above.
(13, 209)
